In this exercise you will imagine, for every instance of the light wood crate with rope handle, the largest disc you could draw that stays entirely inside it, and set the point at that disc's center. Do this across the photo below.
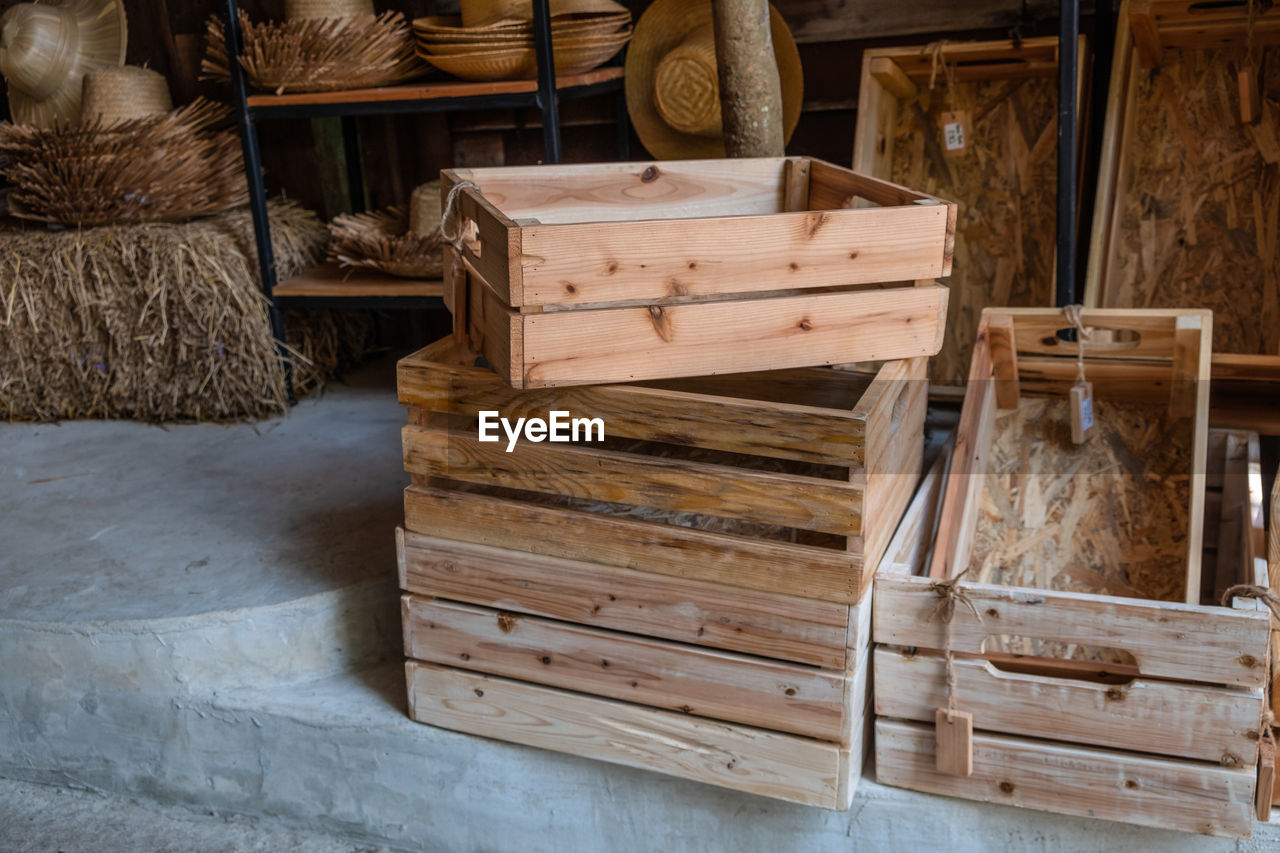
(1163, 730)
(1004, 177)
(619, 272)
(1188, 193)
(726, 657)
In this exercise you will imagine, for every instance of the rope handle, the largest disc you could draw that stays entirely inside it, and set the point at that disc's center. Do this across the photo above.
(1248, 590)
(1072, 313)
(446, 217)
(949, 594)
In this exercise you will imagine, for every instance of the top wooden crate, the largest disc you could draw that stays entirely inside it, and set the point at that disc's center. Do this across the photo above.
(1188, 195)
(1005, 180)
(630, 271)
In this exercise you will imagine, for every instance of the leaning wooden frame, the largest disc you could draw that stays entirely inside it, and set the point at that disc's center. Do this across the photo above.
(1188, 193)
(1004, 177)
(730, 659)
(620, 272)
(1126, 708)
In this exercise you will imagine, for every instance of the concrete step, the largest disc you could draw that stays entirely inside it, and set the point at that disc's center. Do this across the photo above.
(339, 755)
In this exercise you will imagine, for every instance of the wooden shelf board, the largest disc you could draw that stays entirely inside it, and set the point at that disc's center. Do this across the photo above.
(431, 91)
(328, 281)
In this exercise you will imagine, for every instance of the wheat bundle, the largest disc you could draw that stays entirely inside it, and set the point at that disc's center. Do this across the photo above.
(164, 168)
(317, 54)
(158, 322)
(382, 241)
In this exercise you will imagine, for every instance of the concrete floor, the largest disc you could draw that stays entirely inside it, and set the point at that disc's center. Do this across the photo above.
(43, 819)
(104, 521)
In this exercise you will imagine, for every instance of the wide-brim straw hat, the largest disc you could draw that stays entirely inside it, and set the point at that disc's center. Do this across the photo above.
(391, 241)
(488, 13)
(47, 48)
(673, 91)
(131, 158)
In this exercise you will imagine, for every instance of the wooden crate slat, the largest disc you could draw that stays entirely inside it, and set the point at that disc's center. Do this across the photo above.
(742, 620)
(628, 344)
(769, 566)
(1111, 785)
(803, 433)
(1214, 645)
(614, 262)
(761, 762)
(1214, 724)
(658, 673)
(680, 485)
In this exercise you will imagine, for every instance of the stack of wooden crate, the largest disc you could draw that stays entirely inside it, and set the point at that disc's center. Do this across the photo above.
(691, 595)
(1108, 703)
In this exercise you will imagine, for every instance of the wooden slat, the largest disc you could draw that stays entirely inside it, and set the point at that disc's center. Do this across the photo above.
(630, 192)
(796, 186)
(1214, 724)
(890, 75)
(763, 428)
(1110, 785)
(878, 111)
(688, 679)
(496, 237)
(767, 763)
(1004, 360)
(673, 258)
(430, 91)
(628, 344)
(908, 551)
(1214, 645)
(330, 281)
(589, 593)
(803, 571)
(765, 497)
(493, 330)
(1146, 36)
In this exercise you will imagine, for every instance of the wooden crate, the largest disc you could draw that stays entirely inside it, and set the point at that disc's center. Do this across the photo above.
(1187, 196)
(1268, 777)
(1007, 182)
(605, 273)
(1159, 723)
(799, 477)
(755, 687)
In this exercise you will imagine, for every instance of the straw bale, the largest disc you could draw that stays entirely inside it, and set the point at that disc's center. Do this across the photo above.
(157, 322)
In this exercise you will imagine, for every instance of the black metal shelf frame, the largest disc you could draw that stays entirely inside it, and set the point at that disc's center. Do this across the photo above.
(546, 98)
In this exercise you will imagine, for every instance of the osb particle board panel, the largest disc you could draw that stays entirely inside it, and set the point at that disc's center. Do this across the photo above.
(1190, 197)
(1005, 180)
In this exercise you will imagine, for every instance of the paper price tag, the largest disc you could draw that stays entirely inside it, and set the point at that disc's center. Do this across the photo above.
(955, 132)
(1081, 397)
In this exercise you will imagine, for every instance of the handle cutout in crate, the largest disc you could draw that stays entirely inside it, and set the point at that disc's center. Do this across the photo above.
(1016, 653)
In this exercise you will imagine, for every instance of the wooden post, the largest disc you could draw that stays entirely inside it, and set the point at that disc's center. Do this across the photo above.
(750, 94)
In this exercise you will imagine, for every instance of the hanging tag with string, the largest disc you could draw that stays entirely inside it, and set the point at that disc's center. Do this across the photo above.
(953, 728)
(1081, 393)
(1250, 72)
(953, 123)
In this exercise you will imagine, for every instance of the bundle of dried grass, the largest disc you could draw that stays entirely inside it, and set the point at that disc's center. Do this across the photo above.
(1006, 184)
(157, 322)
(382, 241)
(166, 168)
(317, 54)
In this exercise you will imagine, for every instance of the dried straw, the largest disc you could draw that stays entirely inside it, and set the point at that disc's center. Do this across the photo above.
(157, 322)
(382, 241)
(317, 55)
(163, 169)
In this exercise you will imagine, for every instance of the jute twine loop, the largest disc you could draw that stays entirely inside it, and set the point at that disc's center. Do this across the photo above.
(950, 593)
(1248, 590)
(454, 235)
(1072, 313)
(936, 58)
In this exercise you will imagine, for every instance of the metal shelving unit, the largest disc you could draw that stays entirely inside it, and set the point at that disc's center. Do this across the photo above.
(318, 290)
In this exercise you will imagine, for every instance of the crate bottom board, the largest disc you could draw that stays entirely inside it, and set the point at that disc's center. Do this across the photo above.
(756, 761)
(1187, 796)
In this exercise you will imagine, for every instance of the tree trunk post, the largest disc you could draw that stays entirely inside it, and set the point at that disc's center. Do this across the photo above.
(750, 94)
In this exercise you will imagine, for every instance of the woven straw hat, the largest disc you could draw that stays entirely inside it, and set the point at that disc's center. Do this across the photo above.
(425, 209)
(46, 49)
(387, 241)
(305, 10)
(123, 94)
(488, 13)
(673, 91)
